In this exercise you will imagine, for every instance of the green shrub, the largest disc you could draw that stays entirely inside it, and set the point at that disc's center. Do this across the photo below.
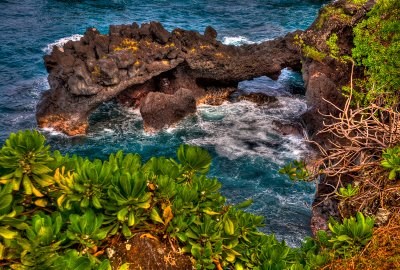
(391, 161)
(332, 13)
(347, 238)
(313, 53)
(333, 47)
(90, 201)
(348, 191)
(377, 46)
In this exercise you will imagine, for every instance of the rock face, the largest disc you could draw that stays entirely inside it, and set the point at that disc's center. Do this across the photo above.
(132, 61)
(325, 72)
(159, 109)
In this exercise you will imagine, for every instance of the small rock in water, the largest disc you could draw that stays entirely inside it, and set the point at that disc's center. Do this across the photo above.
(259, 98)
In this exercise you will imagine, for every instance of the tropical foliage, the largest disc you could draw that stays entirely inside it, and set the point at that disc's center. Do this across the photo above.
(85, 203)
(377, 46)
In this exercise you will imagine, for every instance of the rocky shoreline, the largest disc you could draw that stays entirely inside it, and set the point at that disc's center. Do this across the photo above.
(166, 75)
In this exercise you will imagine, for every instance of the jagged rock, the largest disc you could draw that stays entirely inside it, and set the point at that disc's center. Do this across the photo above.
(99, 68)
(210, 33)
(124, 59)
(160, 109)
(159, 33)
(259, 98)
(288, 128)
(79, 83)
(108, 72)
(217, 96)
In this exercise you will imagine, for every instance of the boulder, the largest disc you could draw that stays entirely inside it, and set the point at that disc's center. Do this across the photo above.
(288, 128)
(161, 110)
(159, 33)
(210, 33)
(259, 98)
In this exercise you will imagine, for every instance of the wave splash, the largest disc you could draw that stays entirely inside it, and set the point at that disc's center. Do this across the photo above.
(61, 42)
(246, 129)
(236, 40)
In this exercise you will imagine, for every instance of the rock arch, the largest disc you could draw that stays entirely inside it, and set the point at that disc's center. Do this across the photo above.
(164, 73)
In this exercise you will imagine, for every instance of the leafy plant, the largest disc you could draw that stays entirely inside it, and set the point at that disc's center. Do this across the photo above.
(391, 161)
(23, 160)
(332, 44)
(349, 191)
(348, 237)
(72, 260)
(129, 193)
(90, 201)
(296, 170)
(86, 187)
(194, 159)
(43, 239)
(86, 229)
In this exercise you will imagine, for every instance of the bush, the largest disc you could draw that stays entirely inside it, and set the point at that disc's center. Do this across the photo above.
(377, 46)
(80, 204)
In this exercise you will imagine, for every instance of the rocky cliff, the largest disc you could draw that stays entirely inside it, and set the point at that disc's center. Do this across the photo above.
(327, 68)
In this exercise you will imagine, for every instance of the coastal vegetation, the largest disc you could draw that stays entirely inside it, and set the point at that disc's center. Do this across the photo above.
(360, 158)
(61, 211)
(377, 46)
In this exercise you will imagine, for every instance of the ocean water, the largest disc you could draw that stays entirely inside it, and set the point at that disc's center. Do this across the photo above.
(247, 151)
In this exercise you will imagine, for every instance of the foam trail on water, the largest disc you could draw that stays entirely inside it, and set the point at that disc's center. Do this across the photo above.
(60, 42)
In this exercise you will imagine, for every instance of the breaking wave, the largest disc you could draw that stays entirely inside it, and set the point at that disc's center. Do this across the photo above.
(60, 42)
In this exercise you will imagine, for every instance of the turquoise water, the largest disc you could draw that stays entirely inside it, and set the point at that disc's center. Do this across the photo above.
(247, 151)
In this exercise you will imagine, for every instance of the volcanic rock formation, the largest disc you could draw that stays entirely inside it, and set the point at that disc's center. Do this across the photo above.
(164, 74)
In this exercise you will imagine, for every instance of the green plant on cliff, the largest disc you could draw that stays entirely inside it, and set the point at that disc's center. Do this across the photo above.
(309, 51)
(347, 238)
(333, 47)
(377, 46)
(332, 13)
(391, 161)
(348, 191)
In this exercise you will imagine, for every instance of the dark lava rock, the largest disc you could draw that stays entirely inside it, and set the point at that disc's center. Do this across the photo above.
(288, 128)
(108, 71)
(210, 33)
(159, 33)
(98, 68)
(159, 109)
(259, 98)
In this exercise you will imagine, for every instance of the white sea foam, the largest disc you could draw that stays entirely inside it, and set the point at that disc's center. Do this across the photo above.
(60, 42)
(53, 132)
(240, 40)
(245, 129)
(236, 40)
